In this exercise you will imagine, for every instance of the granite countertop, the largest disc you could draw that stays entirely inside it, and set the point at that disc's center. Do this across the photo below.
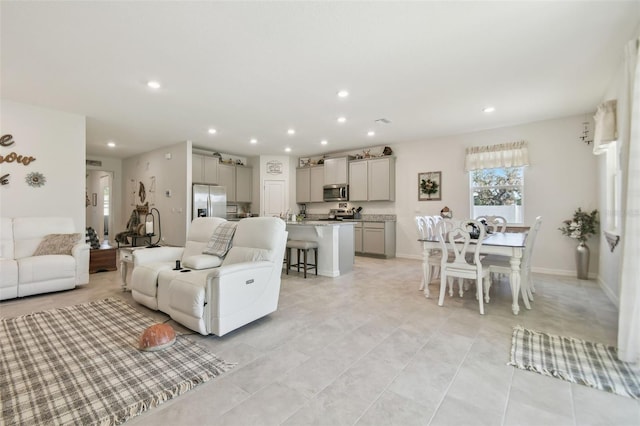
(320, 222)
(364, 218)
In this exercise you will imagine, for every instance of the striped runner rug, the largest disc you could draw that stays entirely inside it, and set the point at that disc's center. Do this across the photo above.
(81, 365)
(577, 361)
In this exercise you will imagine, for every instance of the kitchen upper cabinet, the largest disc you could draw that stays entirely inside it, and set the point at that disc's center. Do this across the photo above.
(244, 184)
(227, 178)
(336, 170)
(316, 184)
(303, 185)
(204, 169)
(238, 180)
(372, 180)
(309, 183)
(358, 185)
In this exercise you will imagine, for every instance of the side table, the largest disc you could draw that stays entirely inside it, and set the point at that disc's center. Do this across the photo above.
(126, 259)
(102, 259)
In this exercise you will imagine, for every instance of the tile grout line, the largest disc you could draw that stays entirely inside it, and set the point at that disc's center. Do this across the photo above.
(446, 392)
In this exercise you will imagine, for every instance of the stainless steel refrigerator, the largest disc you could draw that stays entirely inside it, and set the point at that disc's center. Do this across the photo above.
(209, 200)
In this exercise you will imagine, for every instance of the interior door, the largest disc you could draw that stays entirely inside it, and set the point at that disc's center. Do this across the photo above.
(274, 198)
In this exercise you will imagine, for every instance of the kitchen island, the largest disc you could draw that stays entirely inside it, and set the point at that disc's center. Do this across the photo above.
(335, 244)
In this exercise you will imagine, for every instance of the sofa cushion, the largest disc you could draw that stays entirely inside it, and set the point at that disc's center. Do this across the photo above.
(246, 254)
(44, 268)
(28, 232)
(6, 238)
(8, 273)
(57, 244)
(220, 241)
(201, 261)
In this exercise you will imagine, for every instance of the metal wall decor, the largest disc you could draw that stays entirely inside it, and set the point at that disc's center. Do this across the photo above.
(585, 133)
(35, 179)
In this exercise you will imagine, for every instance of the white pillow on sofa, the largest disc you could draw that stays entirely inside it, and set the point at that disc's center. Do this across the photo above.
(201, 261)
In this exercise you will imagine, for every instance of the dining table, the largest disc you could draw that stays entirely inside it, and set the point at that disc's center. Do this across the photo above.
(509, 244)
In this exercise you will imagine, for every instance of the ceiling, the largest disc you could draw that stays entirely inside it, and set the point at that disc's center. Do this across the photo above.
(256, 69)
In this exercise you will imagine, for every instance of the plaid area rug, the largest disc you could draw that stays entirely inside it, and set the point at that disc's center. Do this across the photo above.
(81, 365)
(591, 364)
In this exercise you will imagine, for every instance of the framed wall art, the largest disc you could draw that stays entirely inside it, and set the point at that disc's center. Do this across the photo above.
(430, 186)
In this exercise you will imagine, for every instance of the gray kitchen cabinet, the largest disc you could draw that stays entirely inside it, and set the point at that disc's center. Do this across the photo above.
(336, 170)
(357, 234)
(244, 184)
(372, 179)
(358, 182)
(309, 183)
(303, 185)
(375, 238)
(316, 184)
(204, 169)
(238, 180)
(227, 178)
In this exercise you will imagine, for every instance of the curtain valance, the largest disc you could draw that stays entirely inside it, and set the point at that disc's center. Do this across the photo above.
(606, 129)
(514, 154)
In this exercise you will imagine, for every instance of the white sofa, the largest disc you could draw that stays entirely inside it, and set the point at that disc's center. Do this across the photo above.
(212, 299)
(22, 273)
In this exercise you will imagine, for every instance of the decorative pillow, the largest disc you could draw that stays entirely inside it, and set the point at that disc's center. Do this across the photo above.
(246, 254)
(220, 241)
(57, 244)
(201, 261)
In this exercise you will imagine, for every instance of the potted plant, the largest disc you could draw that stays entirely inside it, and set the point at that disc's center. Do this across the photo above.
(581, 227)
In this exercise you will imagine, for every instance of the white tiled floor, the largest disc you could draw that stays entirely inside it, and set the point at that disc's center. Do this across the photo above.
(367, 348)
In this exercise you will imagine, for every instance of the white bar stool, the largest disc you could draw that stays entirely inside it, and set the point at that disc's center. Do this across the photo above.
(305, 246)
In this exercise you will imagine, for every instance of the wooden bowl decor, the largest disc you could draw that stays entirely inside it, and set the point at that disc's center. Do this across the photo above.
(157, 337)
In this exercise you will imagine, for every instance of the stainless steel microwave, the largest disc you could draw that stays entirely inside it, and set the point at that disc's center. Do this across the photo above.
(339, 192)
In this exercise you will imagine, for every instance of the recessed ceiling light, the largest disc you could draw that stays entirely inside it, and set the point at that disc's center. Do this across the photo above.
(111, 144)
(287, 149)
(212, 131)
(254, 141)
(343, 94)
(488, 109)
(371, 133)
(341, 119)
(323, 142)
(153, 84)
(291, 131)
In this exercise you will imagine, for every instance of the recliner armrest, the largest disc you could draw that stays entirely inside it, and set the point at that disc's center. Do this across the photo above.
(156, 254)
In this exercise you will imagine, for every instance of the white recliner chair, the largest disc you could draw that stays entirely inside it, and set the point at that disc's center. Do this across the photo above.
(218, 294)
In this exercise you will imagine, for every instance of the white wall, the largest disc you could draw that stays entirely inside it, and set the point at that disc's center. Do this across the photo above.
(562, 176)
(57, 141)
(170, 175)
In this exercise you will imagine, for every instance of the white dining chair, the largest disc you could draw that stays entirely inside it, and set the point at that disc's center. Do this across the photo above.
(495, 223)
(426, 229)
(461, 266)
(501, 265)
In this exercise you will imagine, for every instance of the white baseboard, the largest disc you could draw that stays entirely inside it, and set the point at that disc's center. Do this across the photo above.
(610, 294)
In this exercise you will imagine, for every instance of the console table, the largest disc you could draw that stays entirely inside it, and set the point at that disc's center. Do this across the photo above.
(102, 259)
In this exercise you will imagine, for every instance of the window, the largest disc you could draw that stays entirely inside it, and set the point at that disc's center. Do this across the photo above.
(498, 192)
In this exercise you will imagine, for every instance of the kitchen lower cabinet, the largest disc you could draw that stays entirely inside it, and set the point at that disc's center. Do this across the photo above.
(375, 239)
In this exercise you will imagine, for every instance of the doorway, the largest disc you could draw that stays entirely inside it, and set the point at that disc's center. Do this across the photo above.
(274, 198)
(99, 215)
